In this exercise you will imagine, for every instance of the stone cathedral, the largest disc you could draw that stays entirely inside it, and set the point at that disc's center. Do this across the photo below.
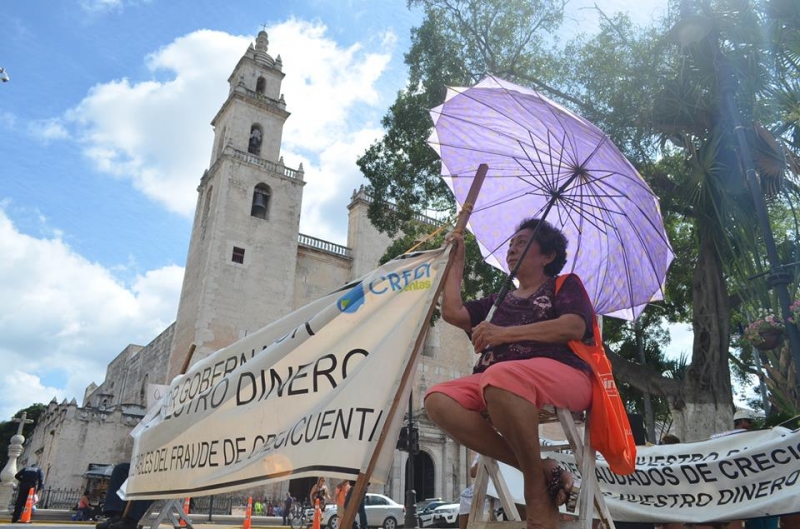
(247, 266)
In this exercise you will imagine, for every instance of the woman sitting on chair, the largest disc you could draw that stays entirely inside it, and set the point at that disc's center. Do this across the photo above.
(525, 364)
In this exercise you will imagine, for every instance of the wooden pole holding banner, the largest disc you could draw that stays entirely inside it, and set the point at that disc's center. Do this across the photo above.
(360, 488)
(187, 361)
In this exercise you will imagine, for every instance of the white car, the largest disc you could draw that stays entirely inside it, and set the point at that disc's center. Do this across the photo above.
(425, 513)
(382, 511)
(446, 515)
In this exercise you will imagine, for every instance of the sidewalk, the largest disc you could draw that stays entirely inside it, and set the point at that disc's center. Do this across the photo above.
(199, 520)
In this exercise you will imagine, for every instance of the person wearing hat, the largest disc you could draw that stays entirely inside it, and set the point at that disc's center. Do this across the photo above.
(743, 420)
(30, 477)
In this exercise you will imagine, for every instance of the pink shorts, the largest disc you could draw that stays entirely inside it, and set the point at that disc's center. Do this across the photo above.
(540, 381)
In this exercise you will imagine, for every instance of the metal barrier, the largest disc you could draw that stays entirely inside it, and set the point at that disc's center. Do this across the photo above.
(51, 498)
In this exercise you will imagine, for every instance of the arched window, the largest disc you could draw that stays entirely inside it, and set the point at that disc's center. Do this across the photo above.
(261, 84)
(254, 146)
(260, 206)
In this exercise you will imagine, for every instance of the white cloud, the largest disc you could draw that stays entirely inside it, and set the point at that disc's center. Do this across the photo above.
(65, 318)
(331, 92)
(157, 133)
(21, 389)
(101, 6)
(49, 129)
(69, 317)
(330, 183)
(8, 120)
(323, 83)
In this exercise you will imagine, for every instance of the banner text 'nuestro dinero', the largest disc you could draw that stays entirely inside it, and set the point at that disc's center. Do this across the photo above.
(734, 474)
(208, 388)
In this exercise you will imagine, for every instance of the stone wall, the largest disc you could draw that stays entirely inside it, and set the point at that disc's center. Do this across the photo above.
(128, 374)
(68, 438)
(318, 273)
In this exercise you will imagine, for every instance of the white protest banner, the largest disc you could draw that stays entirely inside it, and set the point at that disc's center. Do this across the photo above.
(304, 396)
(743, 475)
(154, 394)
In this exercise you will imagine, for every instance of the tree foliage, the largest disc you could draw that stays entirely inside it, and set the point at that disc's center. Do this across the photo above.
(458, 43)
(9, 428)
(664, 106)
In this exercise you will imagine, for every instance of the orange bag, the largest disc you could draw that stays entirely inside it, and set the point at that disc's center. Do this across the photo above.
(610, 431)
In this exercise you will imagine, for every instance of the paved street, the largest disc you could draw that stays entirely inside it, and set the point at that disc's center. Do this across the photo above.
(222, 522)
(6, 524)
(82, 525)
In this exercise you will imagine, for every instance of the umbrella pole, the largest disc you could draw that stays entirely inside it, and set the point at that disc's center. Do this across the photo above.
(507, 285)
(360, 488)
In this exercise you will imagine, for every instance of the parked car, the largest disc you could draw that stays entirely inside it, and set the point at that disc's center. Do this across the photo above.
(425, 512)
(382, 511)
(421, 504)
(446, 515)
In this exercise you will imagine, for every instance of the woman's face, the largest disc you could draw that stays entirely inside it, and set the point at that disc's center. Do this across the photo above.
(533, 259)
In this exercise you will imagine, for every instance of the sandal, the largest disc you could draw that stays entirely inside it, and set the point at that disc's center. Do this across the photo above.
(571, 505)
(555, 485)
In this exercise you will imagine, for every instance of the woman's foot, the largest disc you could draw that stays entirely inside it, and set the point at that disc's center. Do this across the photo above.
(559, 481)
(542, 516)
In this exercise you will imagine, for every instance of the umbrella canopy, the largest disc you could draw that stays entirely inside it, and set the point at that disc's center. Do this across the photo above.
(546, 161)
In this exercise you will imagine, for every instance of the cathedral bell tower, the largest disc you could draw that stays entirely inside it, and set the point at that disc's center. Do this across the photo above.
(242, 255)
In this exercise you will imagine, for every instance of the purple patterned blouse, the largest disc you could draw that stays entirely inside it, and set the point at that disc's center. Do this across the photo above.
(542, 305)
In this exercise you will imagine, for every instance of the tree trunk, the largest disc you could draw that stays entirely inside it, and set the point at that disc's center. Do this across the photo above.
(705, 405)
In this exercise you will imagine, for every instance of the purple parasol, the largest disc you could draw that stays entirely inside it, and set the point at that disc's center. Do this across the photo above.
(547, 162)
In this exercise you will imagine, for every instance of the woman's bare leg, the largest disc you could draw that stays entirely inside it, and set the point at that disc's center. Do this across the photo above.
(468, 428)
(517, 421)
(472, 430)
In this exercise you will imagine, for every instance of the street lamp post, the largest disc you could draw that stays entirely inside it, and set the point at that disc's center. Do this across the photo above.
(690, 30)
(412, 447)
(778, 278)
(649, 416)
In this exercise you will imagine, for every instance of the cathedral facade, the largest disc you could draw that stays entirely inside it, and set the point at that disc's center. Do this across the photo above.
(248, 265)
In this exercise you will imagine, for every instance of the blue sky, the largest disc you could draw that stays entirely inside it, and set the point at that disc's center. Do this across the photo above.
(105, 128)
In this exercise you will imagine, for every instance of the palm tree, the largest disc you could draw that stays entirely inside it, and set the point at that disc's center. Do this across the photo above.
(691, 115)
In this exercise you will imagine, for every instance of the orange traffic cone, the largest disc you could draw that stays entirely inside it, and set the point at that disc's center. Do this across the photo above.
(248, 513)
(26, 513)
(186, 505)
(317, 516)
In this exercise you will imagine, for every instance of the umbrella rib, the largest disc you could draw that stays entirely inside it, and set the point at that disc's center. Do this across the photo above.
(638, 206)
(614, 228)
(482, 124)
(537, 148)
(500, 202)
(546, 103)
(638, 234)
(548, 184)
(578, 205)
(609, 221)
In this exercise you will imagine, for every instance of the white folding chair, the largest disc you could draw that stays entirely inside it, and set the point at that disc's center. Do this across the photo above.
(590, 499)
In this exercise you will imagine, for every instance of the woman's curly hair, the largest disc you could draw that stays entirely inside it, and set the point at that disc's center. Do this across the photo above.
(550, 240)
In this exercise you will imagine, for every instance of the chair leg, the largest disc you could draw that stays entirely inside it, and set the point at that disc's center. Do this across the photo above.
(590, 499)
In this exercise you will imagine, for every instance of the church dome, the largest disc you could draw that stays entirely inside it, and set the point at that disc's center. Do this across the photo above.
(261, 55)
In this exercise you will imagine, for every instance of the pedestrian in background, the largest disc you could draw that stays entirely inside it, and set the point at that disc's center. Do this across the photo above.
(30, 477)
